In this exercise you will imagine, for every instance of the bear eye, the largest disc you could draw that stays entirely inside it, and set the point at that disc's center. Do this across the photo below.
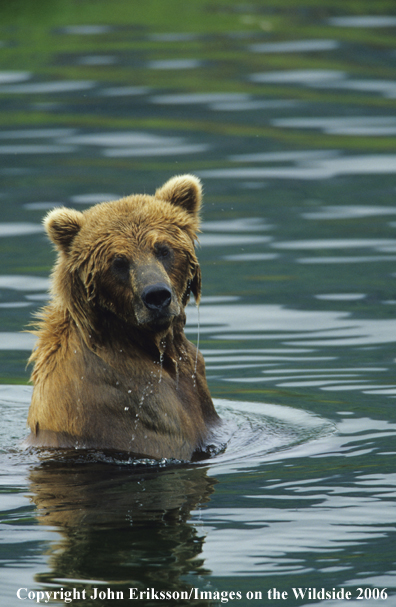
(120, 266)
(162, 251)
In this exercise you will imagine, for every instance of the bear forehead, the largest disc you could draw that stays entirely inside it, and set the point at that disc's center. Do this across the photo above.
(133, 224)
(137, 211)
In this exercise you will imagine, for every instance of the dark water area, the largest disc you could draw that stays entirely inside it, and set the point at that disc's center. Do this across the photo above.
(286, 111)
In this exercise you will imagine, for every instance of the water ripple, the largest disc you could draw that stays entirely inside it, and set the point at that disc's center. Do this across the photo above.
(364, 21)
(21, 228)
(296, 46)
(7, 77)
(58, 86)
(364, 164)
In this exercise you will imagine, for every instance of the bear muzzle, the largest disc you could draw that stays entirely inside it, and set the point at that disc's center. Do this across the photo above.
(156, 302)
(158, 306)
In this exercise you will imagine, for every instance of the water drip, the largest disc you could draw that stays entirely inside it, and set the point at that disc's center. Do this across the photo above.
(146, 391)
(177, 373)
(197, 351)
(136, 421)
(161, 366)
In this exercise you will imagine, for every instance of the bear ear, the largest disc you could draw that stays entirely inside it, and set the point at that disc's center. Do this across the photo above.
(62, 225)
(183, 191)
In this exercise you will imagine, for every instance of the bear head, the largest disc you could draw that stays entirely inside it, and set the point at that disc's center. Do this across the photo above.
(131, 261)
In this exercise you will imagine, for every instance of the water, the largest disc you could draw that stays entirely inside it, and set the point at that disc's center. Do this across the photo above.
(287, 113)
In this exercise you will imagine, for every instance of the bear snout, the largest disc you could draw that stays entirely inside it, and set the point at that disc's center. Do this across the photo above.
(157, 297)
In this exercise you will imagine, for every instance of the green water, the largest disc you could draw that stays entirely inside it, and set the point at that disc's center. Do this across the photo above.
(286, 111)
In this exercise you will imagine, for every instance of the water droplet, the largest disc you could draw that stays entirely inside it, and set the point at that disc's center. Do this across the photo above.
(120, 350)
(126, 408)
(129, 391)
(161, 363)
(75, 351)
(117, 383)
(82, 377)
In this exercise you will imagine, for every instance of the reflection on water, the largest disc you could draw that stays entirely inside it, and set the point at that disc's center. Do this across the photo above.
(19, 229)
(364, 21)
(6, 77)
(24, 283)
(313, 169)
(127, 91)
(175, 64)
(160, 529)
(87, 30)
(323, 519)
(304, 77)
(288, 117)
(97, 60)
(147, 516)
(36, 133)
(349, 212)
(386, 88)
(295, 46)
(151, 506)
(112, 144)
(365, 125)
(37, 88)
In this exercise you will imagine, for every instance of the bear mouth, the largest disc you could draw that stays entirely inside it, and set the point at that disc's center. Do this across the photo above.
(161, 323)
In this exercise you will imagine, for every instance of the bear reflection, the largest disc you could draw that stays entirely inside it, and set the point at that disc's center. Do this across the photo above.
(121, 525)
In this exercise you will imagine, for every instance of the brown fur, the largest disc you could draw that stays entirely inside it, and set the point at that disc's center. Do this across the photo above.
(111, 371)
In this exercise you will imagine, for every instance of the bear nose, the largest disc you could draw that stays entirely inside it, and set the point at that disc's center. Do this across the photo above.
(157, 296)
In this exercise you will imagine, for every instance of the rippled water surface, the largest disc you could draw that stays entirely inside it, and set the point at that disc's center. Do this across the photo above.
(286, 111)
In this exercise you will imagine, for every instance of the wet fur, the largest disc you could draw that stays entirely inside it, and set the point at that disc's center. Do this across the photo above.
(109, 373)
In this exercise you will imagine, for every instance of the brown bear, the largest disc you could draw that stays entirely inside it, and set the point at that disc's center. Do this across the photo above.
(112, 366)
